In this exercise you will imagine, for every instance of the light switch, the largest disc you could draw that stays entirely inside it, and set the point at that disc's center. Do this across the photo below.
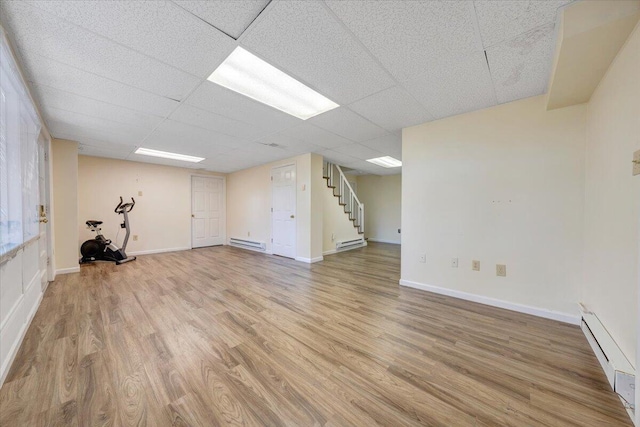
(636, 163)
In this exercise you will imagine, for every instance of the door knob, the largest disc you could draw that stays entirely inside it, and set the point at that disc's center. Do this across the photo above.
(193, 216)
(292, 216)
(45, 220)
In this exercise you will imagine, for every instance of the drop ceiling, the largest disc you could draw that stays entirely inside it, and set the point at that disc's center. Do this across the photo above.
(116, 76)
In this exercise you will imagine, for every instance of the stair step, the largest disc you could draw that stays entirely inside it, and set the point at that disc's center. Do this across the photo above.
(326, 177)
(331, 186)
(342, 204)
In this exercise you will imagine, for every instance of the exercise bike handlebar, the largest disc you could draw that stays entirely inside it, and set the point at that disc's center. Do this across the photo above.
(122, 207)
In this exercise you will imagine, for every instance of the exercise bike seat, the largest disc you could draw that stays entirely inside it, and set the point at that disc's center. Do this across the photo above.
(93, 223)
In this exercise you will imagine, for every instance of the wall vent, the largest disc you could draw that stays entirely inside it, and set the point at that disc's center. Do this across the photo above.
(619, 371)
(248, 244)
(349, 244)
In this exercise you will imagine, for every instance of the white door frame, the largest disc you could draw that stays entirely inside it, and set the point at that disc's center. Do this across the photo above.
(48, 203)
(295, 237)
(224, 205)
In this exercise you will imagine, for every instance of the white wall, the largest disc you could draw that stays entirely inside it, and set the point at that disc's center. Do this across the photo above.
(64, 164)
(612, 198)
(249, 204)
(502, 185)
(382, 198)
(162, 216)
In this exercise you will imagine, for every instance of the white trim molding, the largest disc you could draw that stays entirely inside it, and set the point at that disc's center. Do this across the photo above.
(68, 270)
(373, 239)
(573, 319)
(158, 251)
(309, 260)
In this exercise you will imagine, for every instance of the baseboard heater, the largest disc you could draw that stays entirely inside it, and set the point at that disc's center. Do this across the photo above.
(619, 371)
(348, 244)
(248, 244)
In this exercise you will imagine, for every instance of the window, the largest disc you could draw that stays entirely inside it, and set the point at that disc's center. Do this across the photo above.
(19, 131)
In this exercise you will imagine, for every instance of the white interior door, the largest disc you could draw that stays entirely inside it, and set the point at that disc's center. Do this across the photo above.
(207, 211)
(283, 191)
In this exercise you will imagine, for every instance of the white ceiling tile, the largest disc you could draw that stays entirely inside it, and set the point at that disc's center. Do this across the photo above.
(304, 39)
(369, 168)
(208, 120)
(392, 109)
(406, 36)
(160, 161)
(521, 66)
(454, 86)
(37, 32)
(338, 158)
(316, 136)
(46, 72)
(72, 132)
(104, 149)
(501, 20)
(358, 151)
(290, 143)
(232, 17)
(216, 99)
(58, 99)
(348, 124)
(172, 135)
(60, 120)
(156, 28)
(388, 145)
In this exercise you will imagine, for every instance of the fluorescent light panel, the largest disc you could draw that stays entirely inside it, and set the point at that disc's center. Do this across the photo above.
(245, 73)
(167, 155)
(386, 162)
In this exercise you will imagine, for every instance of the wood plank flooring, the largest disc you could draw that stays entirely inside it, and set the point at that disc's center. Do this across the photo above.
(223, 336)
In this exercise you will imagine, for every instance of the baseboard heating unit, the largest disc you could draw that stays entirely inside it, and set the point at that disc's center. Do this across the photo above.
(248, 244)
(616, 366)
(350, 244)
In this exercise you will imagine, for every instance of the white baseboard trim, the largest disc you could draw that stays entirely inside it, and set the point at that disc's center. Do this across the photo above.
(373, 239)
(67, 270)
(521, 308)
(13, 352)
(158, 251)
(309, 260)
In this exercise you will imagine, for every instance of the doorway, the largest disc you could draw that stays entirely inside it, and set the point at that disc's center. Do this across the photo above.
(283, 193)
(208, 211)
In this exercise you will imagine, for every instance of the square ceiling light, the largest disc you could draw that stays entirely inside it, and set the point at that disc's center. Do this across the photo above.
(386, 162)
(245, 73)
(167, 155)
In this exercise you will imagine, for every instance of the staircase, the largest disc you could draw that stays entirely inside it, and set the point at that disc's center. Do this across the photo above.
(346, 196)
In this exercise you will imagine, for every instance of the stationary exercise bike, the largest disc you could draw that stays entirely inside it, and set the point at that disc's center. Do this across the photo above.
(101, 248)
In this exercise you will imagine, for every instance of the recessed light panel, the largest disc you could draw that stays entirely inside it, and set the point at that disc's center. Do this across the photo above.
(245, 73)
(167, 155)
(386, 162)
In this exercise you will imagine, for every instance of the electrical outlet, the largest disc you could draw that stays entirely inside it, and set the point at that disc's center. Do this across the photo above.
(501, 270)
(140, 193)
(135, 237)
(636, 163)
(454, 262)
(423, 258)
(475, 265)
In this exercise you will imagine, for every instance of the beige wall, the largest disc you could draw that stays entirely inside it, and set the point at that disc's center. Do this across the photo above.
(336, 225)
(504, 185)
(317, 211)
(64, 163)
(162, 216)
(382, 198)
(612, 198)
(249, 204)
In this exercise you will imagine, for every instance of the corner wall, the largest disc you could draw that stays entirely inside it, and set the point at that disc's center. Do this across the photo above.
(382, 198)
(612, 199)
(162, 216)
(503, 185)
(64, 164)
(249, 204)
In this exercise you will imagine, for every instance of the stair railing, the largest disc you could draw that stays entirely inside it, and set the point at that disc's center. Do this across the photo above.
(346, 196)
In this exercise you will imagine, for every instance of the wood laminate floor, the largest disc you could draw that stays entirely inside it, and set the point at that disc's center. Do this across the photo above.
(223, 336)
